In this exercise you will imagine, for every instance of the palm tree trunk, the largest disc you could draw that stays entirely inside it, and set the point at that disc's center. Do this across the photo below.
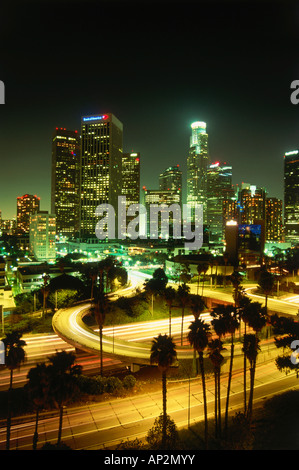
(164, 391)
(250, 400)
(8, 425)
(201, 362)
(229, 382)
(219, 405)
(182, 327)
(244, 372)
(216, 401)
(101, 349)
(60, 424)
(35, 436)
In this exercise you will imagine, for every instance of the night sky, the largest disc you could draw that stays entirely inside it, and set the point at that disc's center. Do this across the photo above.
(158, 66)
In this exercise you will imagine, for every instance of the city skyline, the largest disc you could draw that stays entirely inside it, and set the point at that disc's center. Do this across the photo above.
(236, 79)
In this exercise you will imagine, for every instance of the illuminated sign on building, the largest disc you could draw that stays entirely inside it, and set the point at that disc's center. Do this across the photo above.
(95, 118)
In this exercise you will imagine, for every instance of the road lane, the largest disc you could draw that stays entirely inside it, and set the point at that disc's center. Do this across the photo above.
(98, 426)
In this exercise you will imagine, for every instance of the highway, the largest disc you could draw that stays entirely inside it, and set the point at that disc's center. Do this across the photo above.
(97, 426)
(69, 325)
(102, 425)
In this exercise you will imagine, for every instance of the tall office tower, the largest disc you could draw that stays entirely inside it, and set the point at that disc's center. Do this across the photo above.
(291, 196)
(26, 205)
(197, 165)
(131, 178)
(273, 229)
(252, 203)
(219, 189)
(42, 236)
(65, 187)
(100, 167)
(171, 178)
(158, 197)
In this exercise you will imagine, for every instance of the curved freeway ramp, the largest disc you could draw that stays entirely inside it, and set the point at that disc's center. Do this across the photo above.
(69, 325)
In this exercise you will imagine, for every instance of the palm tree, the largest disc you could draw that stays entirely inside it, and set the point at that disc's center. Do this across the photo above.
(235, 279)
(199, 271)
(38, 390)
(215, 348)
(251, 349)
(198, 337)
(62, 376)
(205, 268)
(183, 295)
(100, 310)
(163, 353)
(14, 356)
(225, 322)
(266, 282)
(169, 294)
(197, 306)
(156, 285)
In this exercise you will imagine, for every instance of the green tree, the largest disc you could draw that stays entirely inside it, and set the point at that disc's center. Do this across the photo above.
(224, 322)
(163, 353)
(251, 349)
(62, 382)
(198, 337)
(183, 294)
(155, 434)
(38, 392)
(266, 282)
(169, 295)
(197, 306)
(205, 268)
(14, 356)
(215, 348)
(156, 285)
(236, 279)
(101, 308)
(253, 315)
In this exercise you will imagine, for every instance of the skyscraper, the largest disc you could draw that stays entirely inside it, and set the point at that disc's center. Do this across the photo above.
(252, 203)
(100, 167)
(273, 227)
(26, 205)
(219, 189)
(131, 178)
(158, 197)
(171, 178)
(291, 196)
(197, 164)
(42, 236)
(65, 196)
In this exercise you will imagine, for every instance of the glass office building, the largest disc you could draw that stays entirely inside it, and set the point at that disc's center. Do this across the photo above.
(291, 196)
(197, 165)
(100, 167)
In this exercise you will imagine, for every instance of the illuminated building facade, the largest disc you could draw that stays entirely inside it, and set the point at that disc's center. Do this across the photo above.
(65, 187)
(274, 225)
(42, 236)
(131, 178)
(219, 189)
(252, 203)
(197, 165)
(100, 167)
(26, 205)
(158, 197)
(291, 196)
(171, 179)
